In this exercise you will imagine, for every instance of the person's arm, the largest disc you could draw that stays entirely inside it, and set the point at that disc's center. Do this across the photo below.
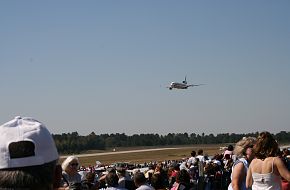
(283, 171)
(102, 178)
(237, 176)
(249, 179)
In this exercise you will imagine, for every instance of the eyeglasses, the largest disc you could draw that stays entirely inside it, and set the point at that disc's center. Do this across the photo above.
(74, 164)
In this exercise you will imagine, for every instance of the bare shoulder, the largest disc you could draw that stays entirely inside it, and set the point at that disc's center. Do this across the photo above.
(239, 166)
(278, 160)
(278, 164)
(255, 160)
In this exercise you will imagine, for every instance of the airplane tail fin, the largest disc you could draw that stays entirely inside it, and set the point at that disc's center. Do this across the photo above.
(184, 82)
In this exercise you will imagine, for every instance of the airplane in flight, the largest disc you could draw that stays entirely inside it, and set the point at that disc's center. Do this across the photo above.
(182, 85)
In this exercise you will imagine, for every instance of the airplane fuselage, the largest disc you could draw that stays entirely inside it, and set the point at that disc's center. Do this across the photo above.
(178, 85)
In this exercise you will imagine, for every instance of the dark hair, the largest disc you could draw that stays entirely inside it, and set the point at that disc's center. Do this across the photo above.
(121, 171)
(30, 177)
(176, 166)
(183, 176)
(157, 181)
(227, 156)
(230, 148)
(139, 179)
(193, 153)
(200, 152)
(266, 146)
(90, 177)
(112, 179)
(151, 167)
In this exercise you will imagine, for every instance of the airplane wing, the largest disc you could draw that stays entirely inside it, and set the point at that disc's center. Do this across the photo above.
(195, 85)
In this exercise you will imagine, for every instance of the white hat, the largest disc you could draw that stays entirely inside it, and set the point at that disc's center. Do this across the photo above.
(26, 129)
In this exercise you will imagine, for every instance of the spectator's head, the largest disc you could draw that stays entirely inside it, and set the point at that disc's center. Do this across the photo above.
(230, 148)
(28, 155)
(90, 177)
(285, 152)
(193, 153)
(183, 176)
(89, 181)
(244, 147)
(228, 156)
(70, 165)
(121, 171)
(200, 152)
(218, 157)
(266, 146)
(176, 166)
(112, 179)
(139, 179)
(157, 181)
(158, 168)
(151, 167)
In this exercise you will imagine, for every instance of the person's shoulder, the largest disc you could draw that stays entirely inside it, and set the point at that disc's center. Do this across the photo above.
(255, 160)
(120, 188)
(145, 187)
(243, 160)
(64, 174)
(277, 160)
(78, 174)
(238, 165)
(268, 160)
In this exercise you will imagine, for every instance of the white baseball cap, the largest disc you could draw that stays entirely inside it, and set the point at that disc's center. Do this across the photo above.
(31, 131)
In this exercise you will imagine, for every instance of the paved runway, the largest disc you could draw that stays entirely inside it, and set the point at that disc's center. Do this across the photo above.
(120, 152)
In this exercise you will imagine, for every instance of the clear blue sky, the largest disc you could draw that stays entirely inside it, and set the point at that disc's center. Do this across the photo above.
(103, 66)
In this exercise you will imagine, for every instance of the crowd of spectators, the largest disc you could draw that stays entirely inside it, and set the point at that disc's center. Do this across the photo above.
(198, 171)
(29, 157)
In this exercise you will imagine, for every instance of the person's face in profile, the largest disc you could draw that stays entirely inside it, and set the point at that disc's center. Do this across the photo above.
(73, 166)
(249, 153)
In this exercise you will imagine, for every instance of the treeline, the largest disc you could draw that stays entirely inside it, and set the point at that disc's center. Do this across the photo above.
(74, 143)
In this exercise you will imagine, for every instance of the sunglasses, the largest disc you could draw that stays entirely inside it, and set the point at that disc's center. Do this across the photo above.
(74, 164)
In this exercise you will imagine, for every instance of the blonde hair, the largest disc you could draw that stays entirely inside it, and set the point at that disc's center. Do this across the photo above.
(242, 145)
(68, 160)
